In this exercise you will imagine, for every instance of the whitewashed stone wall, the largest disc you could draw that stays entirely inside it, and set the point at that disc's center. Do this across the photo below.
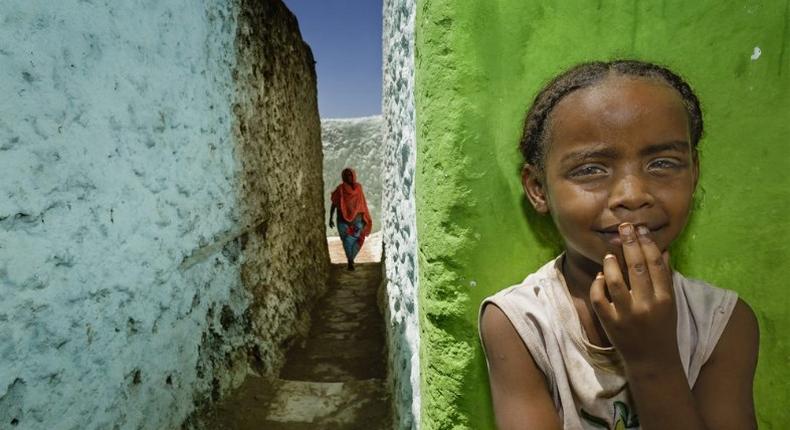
(398, 211)
(136, 279)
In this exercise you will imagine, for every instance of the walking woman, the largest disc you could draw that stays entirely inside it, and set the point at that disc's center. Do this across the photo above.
(353, 217)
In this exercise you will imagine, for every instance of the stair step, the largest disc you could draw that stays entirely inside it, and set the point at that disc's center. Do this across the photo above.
(280, 404)
(328, 402)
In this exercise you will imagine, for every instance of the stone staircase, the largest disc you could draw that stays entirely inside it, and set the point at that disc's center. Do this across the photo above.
(335, 379)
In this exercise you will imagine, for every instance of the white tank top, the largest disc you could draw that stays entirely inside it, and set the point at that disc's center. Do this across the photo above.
(586, 381)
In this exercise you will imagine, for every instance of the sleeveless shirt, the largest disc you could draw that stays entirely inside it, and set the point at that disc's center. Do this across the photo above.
(587, 382)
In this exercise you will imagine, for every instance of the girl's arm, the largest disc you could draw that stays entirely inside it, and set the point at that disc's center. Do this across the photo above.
(724, 387)
(518, 388)
(332, 215)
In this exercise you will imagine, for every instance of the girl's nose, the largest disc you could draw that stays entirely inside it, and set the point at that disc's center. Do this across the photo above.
(630, 192)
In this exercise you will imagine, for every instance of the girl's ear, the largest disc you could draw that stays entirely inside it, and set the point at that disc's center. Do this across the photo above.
(533, 180)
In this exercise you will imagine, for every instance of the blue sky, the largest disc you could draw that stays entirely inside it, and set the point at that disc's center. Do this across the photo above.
(345, 36)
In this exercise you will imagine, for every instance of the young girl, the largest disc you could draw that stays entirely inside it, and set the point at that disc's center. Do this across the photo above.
(607, 336)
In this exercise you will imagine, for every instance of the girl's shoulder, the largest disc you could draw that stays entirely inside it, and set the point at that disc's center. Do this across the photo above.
(528, 306)
(528, 302)
(703, 311)
(701, 297)
(531, 289)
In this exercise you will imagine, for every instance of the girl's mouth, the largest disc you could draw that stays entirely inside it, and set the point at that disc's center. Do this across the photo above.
(611, 234)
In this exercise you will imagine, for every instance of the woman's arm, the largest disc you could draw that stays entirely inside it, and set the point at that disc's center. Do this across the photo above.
(518, 388)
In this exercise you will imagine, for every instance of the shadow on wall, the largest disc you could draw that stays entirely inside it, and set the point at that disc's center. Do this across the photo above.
(355, 143)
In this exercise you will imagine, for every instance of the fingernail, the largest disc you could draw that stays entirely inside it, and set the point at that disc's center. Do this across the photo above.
(599, 275)
(626, 229)
(643, 231)
(608, 256)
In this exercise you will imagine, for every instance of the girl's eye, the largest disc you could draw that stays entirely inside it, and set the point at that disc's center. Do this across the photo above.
(663, 164)
(588, 170)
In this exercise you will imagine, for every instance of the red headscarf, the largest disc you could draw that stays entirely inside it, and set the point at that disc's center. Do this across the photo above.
(350, 201)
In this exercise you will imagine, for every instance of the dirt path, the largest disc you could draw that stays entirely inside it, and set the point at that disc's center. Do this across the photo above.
(334, 380)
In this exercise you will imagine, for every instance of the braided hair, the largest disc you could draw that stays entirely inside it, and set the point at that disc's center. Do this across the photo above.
(533, 140)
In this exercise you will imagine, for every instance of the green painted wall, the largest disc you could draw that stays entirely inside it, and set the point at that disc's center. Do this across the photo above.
(478, 65)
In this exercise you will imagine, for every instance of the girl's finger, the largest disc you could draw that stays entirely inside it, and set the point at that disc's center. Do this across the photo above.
(618, 291)
(638, 274)
(656, 264)
(600, 303)
(670, 287)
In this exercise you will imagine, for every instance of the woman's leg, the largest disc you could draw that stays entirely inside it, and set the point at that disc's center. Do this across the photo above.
(355, 243)
(351, 248)
(349, 241)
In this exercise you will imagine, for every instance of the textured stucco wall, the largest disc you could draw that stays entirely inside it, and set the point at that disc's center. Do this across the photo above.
(357, 143)
(479, 65)
(278, 135)
(398, 212)
(140, 265)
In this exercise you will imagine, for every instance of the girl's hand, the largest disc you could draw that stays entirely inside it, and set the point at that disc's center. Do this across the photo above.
(640, 323)
(331, 224)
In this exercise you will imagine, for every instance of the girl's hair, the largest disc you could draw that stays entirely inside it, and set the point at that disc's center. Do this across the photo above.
(533, 140)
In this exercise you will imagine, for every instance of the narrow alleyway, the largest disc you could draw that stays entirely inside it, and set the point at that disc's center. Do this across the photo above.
(335, 379)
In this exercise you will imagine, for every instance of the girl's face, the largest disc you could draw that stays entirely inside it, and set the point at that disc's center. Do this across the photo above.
(617, 152)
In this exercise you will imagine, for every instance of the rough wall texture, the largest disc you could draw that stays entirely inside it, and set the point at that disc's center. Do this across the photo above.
(278, 135)
(479, 65)
(398, 211)
(356, 143)
(141, 265)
